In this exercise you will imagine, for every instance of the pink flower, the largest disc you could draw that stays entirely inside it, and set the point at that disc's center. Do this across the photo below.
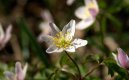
(19, 72)
(5, 36)
(122, 58)
(87, 14)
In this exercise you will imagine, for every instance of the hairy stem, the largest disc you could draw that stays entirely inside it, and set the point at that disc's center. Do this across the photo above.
(75, 65)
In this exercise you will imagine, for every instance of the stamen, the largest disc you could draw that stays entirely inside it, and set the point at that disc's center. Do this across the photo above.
(62, 40)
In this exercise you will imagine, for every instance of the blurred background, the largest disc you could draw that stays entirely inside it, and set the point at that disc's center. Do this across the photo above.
(30, 19)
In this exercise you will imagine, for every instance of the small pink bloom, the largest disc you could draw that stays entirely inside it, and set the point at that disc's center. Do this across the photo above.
(19, 72)
(122, 59)
(87, 14)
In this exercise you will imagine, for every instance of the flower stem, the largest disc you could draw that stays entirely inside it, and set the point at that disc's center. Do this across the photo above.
(90, 71)
(75, 65)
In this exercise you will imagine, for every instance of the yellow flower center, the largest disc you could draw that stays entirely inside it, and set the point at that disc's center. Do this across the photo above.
(62, 40)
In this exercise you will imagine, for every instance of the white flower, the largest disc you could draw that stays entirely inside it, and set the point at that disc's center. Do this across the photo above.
(5, 36)
(19, 72)
(63, 40)
(87, 14)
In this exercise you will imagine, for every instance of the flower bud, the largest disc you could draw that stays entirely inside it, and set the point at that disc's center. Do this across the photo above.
(122, 58)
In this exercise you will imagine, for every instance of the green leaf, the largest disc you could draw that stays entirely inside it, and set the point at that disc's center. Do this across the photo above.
(35, 46)
(113, 67)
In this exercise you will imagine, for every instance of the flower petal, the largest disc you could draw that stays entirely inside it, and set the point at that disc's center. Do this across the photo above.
(9, 75)
(19, 71)
(82, 12)
(1, 33)
(69, 28)
(70, 49)
(48, 39)
(25, 70)
(85, 23)
(79, 43)
(122, 57)
(54, 49)
(54, 29)
(8, 34)
(92, 4)
(116, 59)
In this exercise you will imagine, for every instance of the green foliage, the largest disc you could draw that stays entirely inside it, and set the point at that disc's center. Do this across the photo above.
(114, 68)
(35, 47)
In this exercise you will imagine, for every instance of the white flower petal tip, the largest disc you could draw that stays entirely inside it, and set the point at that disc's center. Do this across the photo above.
(54, 49)
(8, 34)
(25, 69)
(69, 2)
(72, 22)
(79, 43)
(84, 24)
(69, 28)
(115, 56)
(2, 34)
(54, 29)
(116, 59)
(18, 64)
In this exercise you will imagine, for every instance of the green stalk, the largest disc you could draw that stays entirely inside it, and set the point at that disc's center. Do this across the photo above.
(74, 64)
(90, 71)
